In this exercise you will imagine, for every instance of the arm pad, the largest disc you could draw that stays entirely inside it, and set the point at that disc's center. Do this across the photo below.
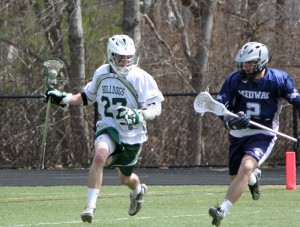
(66, 99)
(152, 112)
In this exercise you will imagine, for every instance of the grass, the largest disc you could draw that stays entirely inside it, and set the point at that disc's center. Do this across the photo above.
(164, 206)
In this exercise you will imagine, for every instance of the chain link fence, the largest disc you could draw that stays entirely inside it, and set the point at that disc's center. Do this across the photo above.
(172, 141)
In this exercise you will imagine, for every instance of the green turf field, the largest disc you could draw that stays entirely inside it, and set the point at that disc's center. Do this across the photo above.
(164, 206)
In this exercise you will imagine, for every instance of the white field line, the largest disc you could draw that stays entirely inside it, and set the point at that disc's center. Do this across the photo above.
(119, 219)
(102, 221)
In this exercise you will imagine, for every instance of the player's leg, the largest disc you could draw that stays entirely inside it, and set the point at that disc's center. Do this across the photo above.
(257, 149)
(240, 181)
(253, 184)
(260, 149)
(235, 190)
(102, 146)
(236, 154)
(127, 177)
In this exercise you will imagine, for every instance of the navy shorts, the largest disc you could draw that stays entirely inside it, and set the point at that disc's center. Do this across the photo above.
(257, 146)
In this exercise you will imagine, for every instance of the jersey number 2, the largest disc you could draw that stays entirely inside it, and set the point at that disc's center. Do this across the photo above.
(253, 109)
(113, 102)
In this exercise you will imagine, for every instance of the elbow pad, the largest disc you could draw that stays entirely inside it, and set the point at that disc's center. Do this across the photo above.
(152, 112)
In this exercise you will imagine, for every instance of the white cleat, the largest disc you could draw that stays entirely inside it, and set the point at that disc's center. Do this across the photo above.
(136, 203)
(88, 214)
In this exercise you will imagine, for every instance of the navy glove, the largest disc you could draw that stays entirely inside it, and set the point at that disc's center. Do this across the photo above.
(235, 123)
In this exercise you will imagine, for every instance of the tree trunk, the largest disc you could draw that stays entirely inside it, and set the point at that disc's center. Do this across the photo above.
(131, 21)
(198, 68)
(79, 127)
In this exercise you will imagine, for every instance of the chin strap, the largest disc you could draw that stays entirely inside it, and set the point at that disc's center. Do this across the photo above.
(246, 78)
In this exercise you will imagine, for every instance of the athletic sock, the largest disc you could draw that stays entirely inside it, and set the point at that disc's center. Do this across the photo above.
(136, 191)
(252, 179)
(226, 206)
(92, 197)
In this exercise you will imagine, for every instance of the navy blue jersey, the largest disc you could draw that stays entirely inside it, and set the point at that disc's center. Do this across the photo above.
(260, 100)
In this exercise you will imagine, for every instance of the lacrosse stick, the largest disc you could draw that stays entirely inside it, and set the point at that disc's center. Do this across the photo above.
(205, 103)
(51, 67)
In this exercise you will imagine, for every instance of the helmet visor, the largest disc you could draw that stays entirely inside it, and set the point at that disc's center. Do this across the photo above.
(123, 60)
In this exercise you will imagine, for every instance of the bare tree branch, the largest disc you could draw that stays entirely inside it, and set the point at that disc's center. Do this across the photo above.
(156, 34)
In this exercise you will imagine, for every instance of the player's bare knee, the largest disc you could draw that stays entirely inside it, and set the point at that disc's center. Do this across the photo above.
(248, 164)
(100, 158)
(246, 168)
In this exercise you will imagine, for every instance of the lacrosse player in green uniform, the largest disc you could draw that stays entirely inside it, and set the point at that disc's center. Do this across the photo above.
(127, 97)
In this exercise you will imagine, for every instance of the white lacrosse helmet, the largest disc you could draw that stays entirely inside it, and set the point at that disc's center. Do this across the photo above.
(256, 52)
(121, 53)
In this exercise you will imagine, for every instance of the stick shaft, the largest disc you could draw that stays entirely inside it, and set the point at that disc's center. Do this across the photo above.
(45, 135)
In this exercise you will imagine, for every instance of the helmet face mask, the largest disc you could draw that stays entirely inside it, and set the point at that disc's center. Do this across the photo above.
(252, 52)
(121, 54)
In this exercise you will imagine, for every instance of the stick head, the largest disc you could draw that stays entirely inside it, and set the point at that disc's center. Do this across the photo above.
(205, 103)
(52, 68)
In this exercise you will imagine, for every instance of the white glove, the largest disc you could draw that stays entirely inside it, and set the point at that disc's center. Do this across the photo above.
(57, 96)
(129, 116)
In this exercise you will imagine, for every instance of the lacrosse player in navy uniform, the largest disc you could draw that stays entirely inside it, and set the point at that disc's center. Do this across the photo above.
(127, 97)
(254, 92)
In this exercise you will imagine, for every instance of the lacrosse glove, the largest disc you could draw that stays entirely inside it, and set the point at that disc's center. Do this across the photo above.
(129, 116)
(57, 97)
(235, 123)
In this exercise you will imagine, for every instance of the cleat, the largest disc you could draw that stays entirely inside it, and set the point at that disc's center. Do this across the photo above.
(217, 214)
(88, 214)
(136, 203)
(255, 189)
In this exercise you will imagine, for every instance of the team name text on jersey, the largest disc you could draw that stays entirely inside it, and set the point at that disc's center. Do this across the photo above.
(255, 94)
(113, 90)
